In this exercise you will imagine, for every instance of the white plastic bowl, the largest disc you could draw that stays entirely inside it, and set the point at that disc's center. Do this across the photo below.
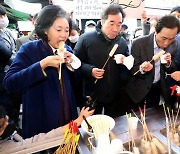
(93, 118)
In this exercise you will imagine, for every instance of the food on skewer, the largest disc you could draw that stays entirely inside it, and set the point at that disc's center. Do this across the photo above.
(110, 55)
(147, 147)
(178, 128)
(136, 150)
(154, 148)
(174, 128)
(176, 139)
(154, 58)
(148, 144)
(61, 46)
(158, 55)
(159, 145)
(113, 50)
(61, 53)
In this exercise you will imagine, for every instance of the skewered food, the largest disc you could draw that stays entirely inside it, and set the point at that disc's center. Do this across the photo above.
(61, 53)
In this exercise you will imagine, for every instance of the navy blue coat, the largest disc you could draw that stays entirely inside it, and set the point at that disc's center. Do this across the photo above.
(42, 96)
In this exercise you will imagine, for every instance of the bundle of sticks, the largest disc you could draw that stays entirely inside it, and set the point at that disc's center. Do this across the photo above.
(70, 140)
(132, 144)
(101, 129)
(101, 126)
(149, 143)
(172, 127)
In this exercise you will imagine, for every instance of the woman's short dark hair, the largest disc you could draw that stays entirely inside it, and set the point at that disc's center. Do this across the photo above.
(2, 10)
(74, 26)
(46, 18)
(168, 21)
(113, 9)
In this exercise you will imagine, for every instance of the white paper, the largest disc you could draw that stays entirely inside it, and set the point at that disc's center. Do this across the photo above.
(127, 61)
(163, 61)
(76, 63)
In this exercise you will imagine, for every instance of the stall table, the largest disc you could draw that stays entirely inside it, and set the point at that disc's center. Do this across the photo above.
(155, 120)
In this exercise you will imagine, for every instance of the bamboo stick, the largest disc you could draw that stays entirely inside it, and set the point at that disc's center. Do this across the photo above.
(154, 58)
(110, 55)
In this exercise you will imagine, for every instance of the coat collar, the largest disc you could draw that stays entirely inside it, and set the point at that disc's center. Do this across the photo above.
(150, 46)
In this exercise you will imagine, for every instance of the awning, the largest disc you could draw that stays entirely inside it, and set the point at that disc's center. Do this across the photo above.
(25, 7)
(17, 15)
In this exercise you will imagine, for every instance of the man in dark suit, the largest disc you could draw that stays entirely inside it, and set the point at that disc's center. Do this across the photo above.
(149, 83)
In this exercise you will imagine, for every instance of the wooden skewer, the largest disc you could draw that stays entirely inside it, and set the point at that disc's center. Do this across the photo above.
(173, 121)
(169, 117)
(128, 132)
(177, 114)
(164, 110)
(110, 55)
(168, 74)
(137, 116)
(61, 50)
(154, 58)
(168, 136)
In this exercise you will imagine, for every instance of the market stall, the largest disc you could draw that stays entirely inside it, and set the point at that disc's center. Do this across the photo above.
(155, 120)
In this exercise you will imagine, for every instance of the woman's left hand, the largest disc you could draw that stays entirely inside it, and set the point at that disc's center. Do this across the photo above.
(67, 57)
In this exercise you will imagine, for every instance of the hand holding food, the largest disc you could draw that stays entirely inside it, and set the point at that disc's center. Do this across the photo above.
(154, 58)
(110, 55)
(146, 66)
(52, 61)
(97, 73)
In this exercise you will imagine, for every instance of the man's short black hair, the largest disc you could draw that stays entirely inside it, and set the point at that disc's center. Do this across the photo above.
(2, 10)
(124, 26)
(175, 9)
(167, 21)
(113, 9)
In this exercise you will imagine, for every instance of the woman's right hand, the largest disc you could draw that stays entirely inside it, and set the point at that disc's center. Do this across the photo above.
(52, 61)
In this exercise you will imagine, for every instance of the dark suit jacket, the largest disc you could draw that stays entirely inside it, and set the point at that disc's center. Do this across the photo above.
(140, 84)
(20, 41)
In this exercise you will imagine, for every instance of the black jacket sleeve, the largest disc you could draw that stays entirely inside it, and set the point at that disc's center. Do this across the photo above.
(5, 52)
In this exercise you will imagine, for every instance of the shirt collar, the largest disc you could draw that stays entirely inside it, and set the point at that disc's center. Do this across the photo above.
(155, 44)
(53, 49)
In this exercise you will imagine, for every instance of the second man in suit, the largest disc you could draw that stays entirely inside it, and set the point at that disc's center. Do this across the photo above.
(149, 83)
